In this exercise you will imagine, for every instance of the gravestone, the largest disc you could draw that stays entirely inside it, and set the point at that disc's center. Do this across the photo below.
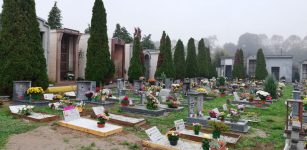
(179, 124)
(48, 96)
(195, 98)
(19, 89)
(236, 96)
(154, 134)
(70, 115)
(164, 93)
(186, 86)
(177, 81)
(295, 106)
(168, 83)
(225, 107)
(143, 98)
(98, 110)
(83, 87)
(120, 87)
(137, 84)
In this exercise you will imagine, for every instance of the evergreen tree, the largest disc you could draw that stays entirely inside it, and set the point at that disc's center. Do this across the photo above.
(161, 56)
(212, 71)
(179, 60)
(99, 66)
(191, 62)
(147, 43)
(54, 17)
(136, 68)
(21, 52)
(270, 86)
(168, 63)
(202, 59)
(122, 33)
(261, 71)
(238, 67)
(88, 29)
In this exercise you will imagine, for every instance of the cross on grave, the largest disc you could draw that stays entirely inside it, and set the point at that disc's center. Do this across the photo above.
(120, 87)
(194, 97)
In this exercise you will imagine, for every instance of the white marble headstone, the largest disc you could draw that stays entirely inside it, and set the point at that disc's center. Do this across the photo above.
(70, 115)
(225, 107)
(164, 93)
(179, 124)
(48, 96)
(236, 96)
(98, 110)
(154, 134)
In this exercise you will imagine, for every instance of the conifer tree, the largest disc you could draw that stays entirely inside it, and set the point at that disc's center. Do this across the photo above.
(99, 66)
(238, 70)
(161, 56)
(122, 33)
(179, 60)
(191, 62)
(55, 17)
(202, 59)
(261, 72)
(168, 64)
(21, 52)
(212, 70)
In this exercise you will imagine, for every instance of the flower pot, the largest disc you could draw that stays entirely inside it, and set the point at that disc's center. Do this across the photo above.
(100, 125)
(216, 134)
(124, 104)
(35, 97)
(222, 94)
(196, 132)
(173, 143)
(263, 101)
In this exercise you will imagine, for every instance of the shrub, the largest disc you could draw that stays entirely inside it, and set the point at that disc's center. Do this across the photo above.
(270, 86)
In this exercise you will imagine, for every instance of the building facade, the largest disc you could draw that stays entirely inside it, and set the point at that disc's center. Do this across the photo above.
(303, 70)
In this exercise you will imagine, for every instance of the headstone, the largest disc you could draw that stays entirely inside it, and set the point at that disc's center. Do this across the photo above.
(164, 93)
(154, 134)
(98, 110)
(179, 124)
(83, 87)
(186, 86)
(200, 101)
(168, 83)
(48, 96)
(191, 103)
(236, 96)
(296, 95)
(225, 107)
(295, 108)
(19, 89)
(70, 115)
(177, 81)
(137, 85)
(143, 98)
(120, 87)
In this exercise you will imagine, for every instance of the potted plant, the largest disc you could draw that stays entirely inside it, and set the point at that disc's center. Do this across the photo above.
(173, 137)
(218, 128)
(196, 128)
(212, 114)
(102, 119)
(262, 95)
(222, 116)
(35, 93)
(234, 115)
(205, 144)
(152, 102)
(222, 90)
(26, 111)
(251, 97)
(89, 95)
(172, 102)
(125, 101)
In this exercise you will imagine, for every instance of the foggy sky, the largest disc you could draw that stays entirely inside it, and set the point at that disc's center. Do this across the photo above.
(227, 19)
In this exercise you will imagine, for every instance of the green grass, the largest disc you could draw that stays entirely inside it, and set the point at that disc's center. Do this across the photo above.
(131, 146)
(10, 126)
(48, 110)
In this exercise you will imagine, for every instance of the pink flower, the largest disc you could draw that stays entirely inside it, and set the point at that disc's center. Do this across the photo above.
(69, 107)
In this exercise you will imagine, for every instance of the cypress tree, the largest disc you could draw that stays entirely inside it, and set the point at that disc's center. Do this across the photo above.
(122, 33)
(242, 69)
(21, 53)
(212, 70)
(168, 65)
(270, 86)
(136, 68)
(238, 67)
(99, 66)
(202, 59)
(161, 56)
(54, 17)
(261, 71)
(179, 60)
(191, 63)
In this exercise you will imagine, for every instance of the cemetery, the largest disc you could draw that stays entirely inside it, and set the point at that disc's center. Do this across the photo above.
(66, 89)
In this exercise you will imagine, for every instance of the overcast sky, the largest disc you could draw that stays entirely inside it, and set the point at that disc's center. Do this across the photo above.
(227, 19)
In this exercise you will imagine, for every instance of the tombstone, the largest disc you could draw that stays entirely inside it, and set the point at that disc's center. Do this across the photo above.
(137, 85)
(195, 98)
(179, 124)
(164, 93)
(70, 115)
(168, 83)
(154, 134)
(98, 110)
(186, 86)
(143, 97)
(296, 95)
(177, 81)
(19, 89)
(120, 87)
(83, 87)
(225, 107)
(236, 96)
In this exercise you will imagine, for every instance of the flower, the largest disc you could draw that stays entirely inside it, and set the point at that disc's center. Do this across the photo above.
(102, 118)
(89, 94)
(201, 90)
(262, 93)
(35, 90)
(173, 135)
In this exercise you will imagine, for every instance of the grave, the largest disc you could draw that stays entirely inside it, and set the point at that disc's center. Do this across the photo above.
(138, 109)
(159, 141)
(254, 103)
(83, 87)
(73, 120)
(121, 119)
(137, 85)
(19, 94)
(198, 117)
(120, 85)
(168, 83)
(186, 86)
(34, 116)
(187, 132)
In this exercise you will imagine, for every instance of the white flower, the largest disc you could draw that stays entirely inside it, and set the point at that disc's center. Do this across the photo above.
(262, 93)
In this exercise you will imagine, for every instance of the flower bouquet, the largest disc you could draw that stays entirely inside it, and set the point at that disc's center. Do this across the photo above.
(125, 101)
(222, 116)
(104, 94)
(234, 115)
(175, 88)
(201, 90)
(196, 128)
(152, 102)
(216, 144)
(172, 102)
(213, 114)
(173, 137)
(262, 95)
(102, 119)
(26, 111)
(35, 92)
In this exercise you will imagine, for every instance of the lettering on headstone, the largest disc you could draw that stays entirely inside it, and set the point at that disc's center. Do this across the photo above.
(179, 124)
(98, 110)
(191, 100)
(70, 115)
(154, 134)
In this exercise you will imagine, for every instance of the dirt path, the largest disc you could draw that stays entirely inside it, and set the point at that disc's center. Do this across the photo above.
(60, 138)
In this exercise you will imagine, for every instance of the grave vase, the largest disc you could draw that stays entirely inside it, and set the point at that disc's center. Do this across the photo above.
(103, 98)
(100, 125)
(196, 132)
(173, 142)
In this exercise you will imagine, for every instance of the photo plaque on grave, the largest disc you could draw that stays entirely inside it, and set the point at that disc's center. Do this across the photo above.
(83, 87)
